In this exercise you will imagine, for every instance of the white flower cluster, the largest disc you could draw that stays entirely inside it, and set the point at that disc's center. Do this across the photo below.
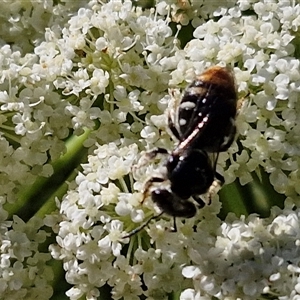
(107, 72)
(74, 82)
(98, 215)
(24, 273)
(23, 23)
(224, 260)
(248, 259)
(92, 232)
(237, 258)
(32, 126)
(92, 73)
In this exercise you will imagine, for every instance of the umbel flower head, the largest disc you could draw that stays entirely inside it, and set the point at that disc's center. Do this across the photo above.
(98, 88)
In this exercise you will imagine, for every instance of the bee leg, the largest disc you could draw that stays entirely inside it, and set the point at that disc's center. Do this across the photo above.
(173, 128)
(148, 185)
(215, 186)
(148, 156)
(220, 178)
(142, 226)
(174, 228)
(215, 159)
(200, 201)
(240, 103)
(153, 153)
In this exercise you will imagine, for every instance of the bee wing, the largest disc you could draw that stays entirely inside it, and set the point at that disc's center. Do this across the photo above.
(195, 112)
(206, 118)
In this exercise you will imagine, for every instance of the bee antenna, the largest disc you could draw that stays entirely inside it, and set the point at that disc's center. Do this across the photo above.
(139, 228)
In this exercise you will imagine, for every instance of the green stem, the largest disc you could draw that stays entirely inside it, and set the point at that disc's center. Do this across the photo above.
(232, 200)
(40, 196)
(257, 197)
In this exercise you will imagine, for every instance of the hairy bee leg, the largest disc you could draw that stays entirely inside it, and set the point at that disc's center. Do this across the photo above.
(173, 111)
(240, 103)
(153, 153)
(148, 185)
(215, 186)
(148, 156)
(138, 229)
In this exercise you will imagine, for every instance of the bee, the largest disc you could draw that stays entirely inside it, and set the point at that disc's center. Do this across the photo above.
(204, 125)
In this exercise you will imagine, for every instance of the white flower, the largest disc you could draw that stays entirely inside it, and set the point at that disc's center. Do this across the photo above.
(99, 81)
(112, 240)
(101, 78)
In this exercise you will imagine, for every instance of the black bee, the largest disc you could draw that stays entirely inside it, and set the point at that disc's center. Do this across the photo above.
(204, 126)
